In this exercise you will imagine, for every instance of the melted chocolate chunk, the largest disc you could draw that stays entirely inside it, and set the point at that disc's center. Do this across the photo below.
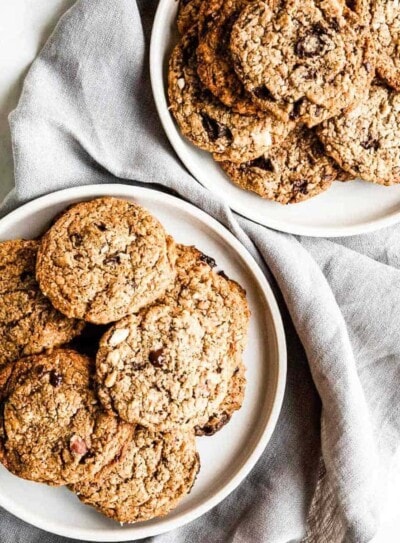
(300, 185)
(296, 111)
(157, 358)
(208, 260)
(55, 379)
(215, 130)
(76, 240)
(263, 93)
(223, 274)
(26, 276)
(371, 143)
(263, 163)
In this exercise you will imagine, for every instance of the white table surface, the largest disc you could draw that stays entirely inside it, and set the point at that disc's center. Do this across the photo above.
(24, 27)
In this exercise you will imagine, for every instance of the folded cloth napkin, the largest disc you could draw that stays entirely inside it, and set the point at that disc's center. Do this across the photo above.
(86, 115)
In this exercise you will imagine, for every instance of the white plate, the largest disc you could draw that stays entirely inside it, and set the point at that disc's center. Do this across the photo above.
(227, 457)
(346, 209)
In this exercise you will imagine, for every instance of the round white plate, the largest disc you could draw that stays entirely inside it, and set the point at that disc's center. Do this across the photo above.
(346, 209)
(227, 457)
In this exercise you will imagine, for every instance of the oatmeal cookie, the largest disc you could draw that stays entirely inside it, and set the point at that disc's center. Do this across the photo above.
(385, 29)
(205, 121)
(365, 142)
(170, 365)
(29, 324)
(215, 65)
(104, 259)
(154, 472)
(52, 429)
(304, 61)
(291, 172)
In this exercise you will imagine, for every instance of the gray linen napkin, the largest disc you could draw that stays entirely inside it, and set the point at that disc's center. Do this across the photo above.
(86, 115)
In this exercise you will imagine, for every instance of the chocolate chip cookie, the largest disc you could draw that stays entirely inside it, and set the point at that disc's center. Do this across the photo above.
(104, 259)
(188, 14)
(28, 322)
(215, 65)
(365, 142)
(170, 365)
(52, 428)
(154, 472)
(385, 28)
(291, 172)
(205, 121)
(231, 403)
(304, 61)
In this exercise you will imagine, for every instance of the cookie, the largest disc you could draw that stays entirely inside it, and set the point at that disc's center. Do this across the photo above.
(104, 259)
(231, 403)
(205, 121)
(170, 365)
(28, 322)
(52, 428)
(385, 29)
(154, 472)
(215, 65)
(303, 61)
(288, 173)
(188, 14)
(365, 142)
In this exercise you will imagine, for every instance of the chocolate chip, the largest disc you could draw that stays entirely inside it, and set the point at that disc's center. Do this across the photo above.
(157, 357)
(300, 185)
(263, 93)
(101, 226)
(371, 143)
(26, 275)
(296, 111)
(86, 457)
(351, 4)
(76, 240)
(39, 369)
(215, 130)
(208, 260)
(223, 274)
(263, 163)
(55, 379)
(113, 259)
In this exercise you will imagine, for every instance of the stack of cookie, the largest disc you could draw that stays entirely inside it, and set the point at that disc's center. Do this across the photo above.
(290, 95)
(118, 346)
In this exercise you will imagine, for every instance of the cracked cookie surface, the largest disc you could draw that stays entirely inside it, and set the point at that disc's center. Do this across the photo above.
(170, 365)
(52, 429)
(303, 61)
(365, 141)
(29, 324)
(151, 476)
(205, 121)
(104, 259)
(293, 171)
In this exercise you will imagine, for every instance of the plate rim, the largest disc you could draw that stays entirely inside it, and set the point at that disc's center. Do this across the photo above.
(159, 94)
(131, 191)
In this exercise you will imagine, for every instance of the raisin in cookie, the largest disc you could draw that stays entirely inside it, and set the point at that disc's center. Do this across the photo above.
(231, 403)
(215, 65)
(28, 322)
(170, 365)
(188, 14)
(291, 172)
(305, 61)
(385, 29)
(205, 121)
(52, 429)
(154, 472)
(365, 142)
(104, 259)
